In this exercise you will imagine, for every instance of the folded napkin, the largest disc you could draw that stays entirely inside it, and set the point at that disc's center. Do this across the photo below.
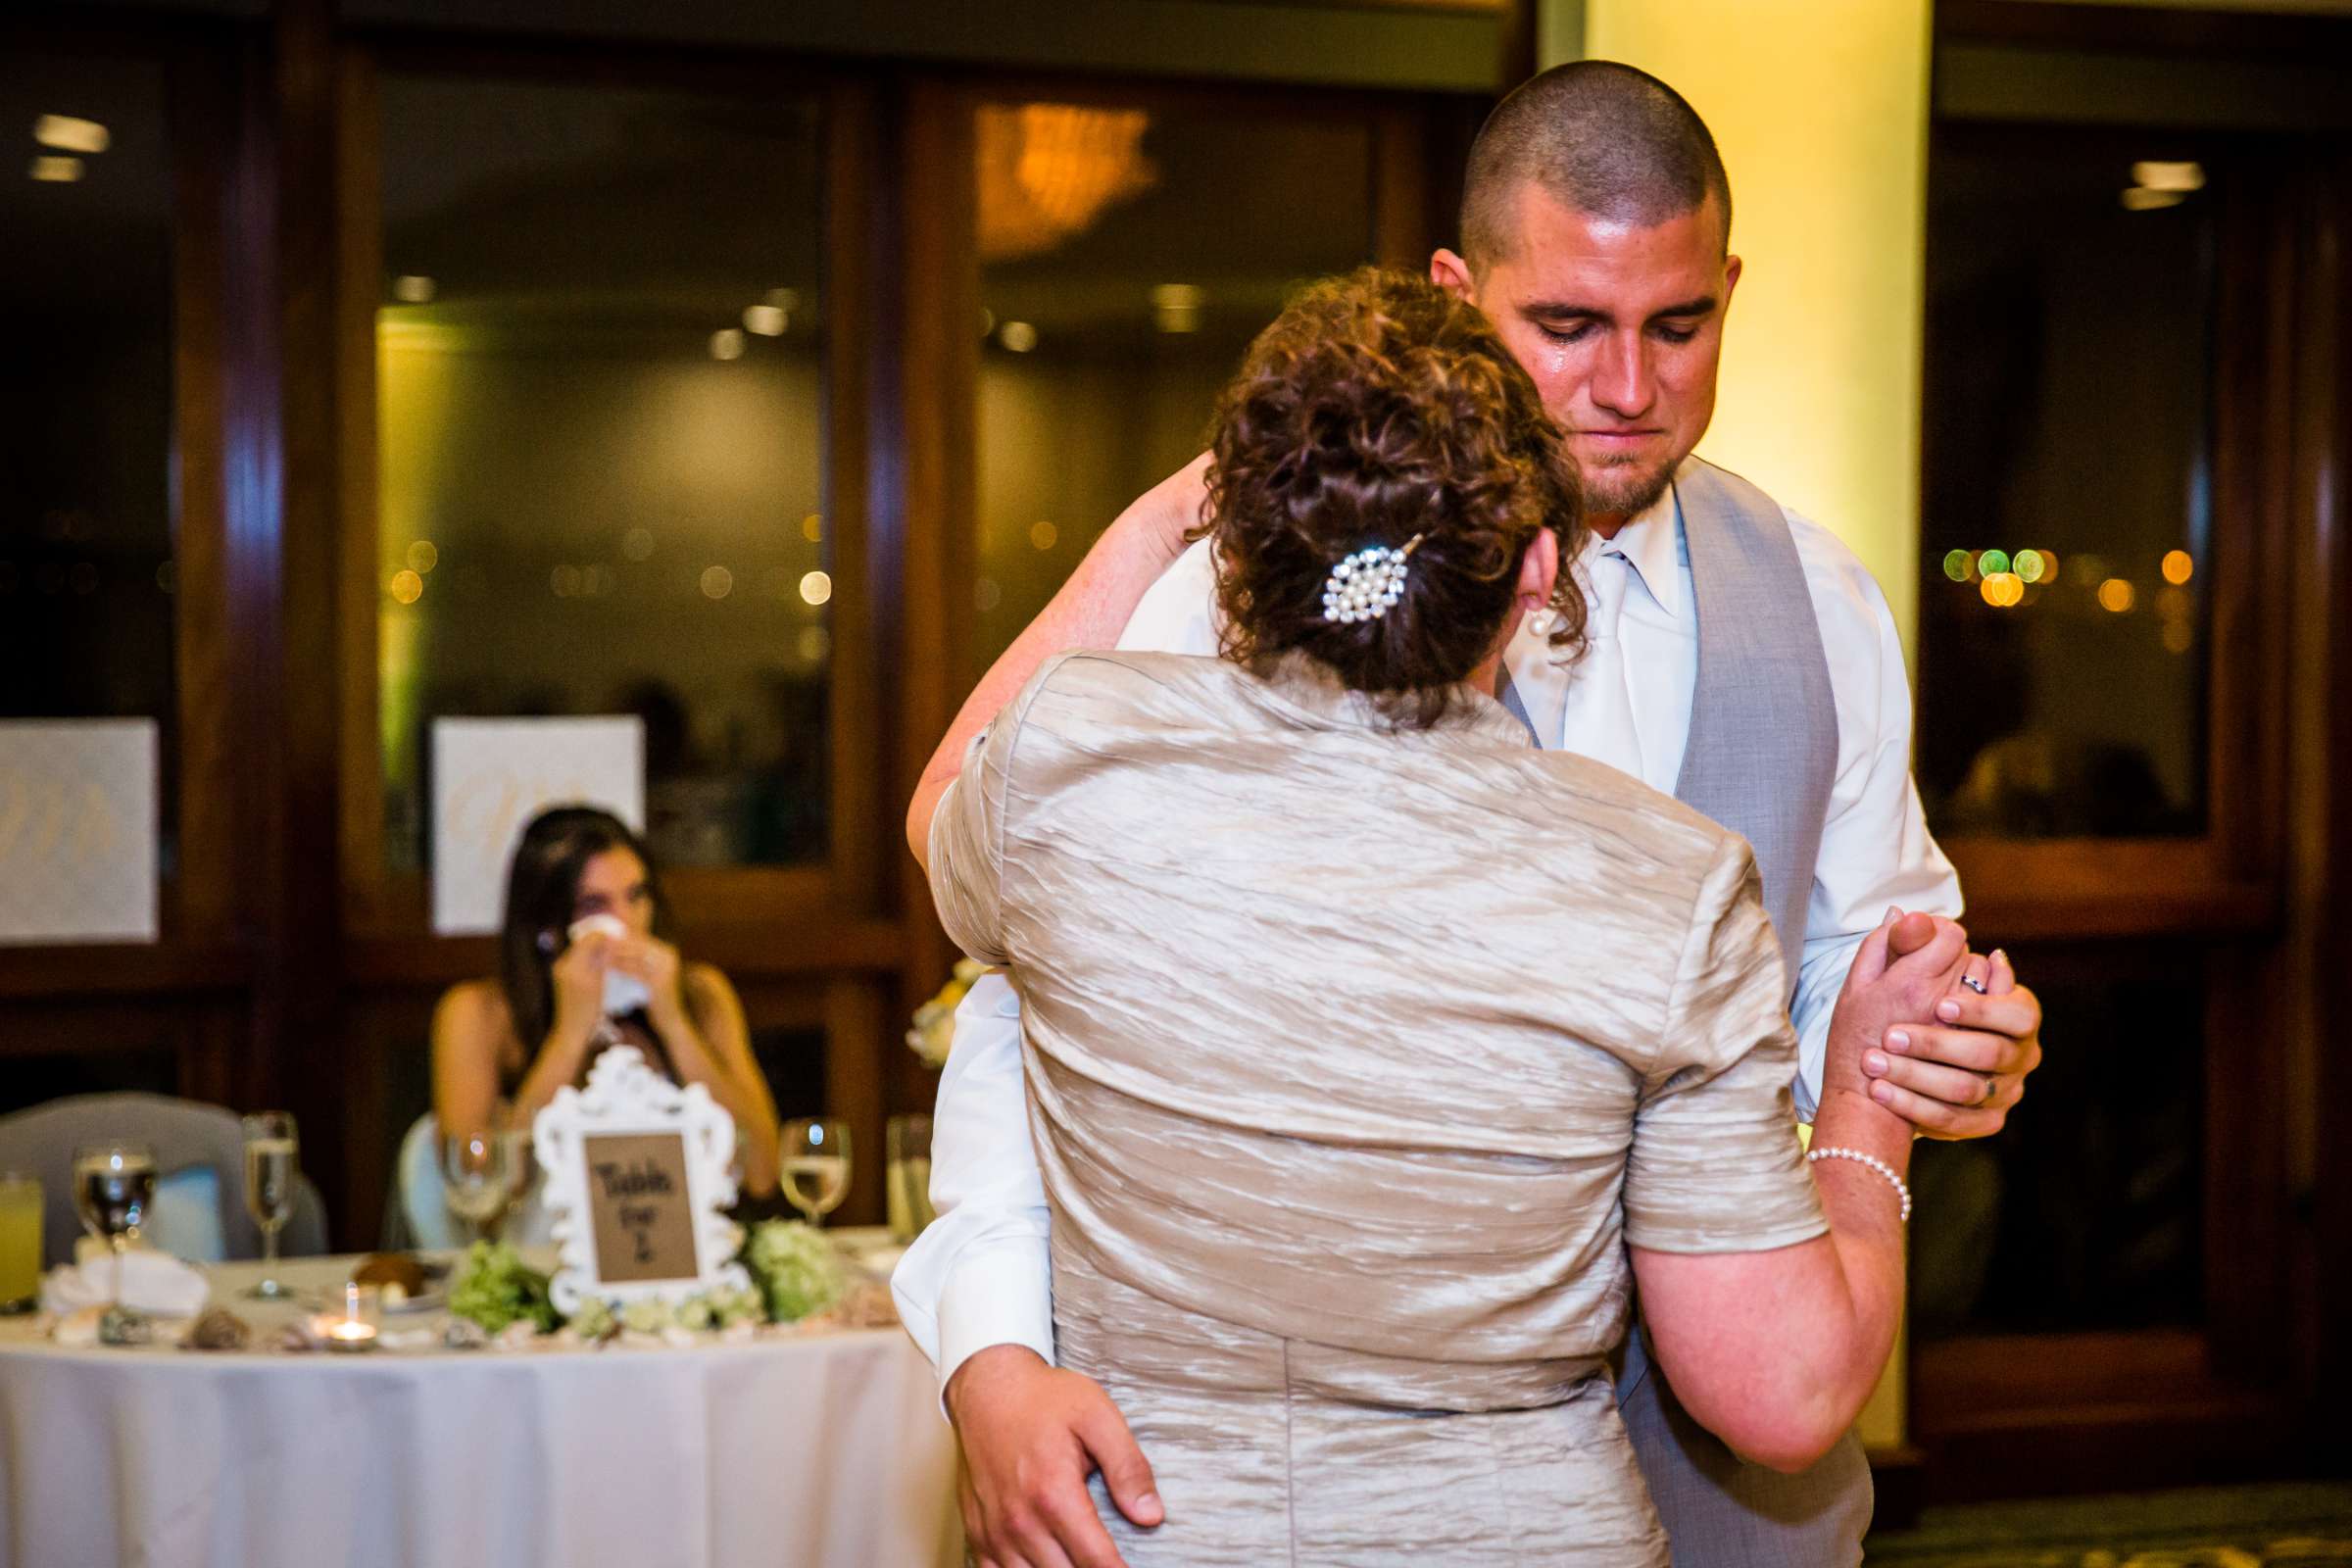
(153, 1283)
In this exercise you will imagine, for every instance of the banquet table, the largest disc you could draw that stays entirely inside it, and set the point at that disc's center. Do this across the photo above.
(825, 1448)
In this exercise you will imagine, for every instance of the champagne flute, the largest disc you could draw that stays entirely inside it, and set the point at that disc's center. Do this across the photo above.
(910, 1173)
(477, 1178)
(114, 1188)
(816, 1165)
(272, 1157)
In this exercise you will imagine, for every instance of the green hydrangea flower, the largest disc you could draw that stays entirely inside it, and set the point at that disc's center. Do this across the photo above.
(796, 1267)
(495, 1289)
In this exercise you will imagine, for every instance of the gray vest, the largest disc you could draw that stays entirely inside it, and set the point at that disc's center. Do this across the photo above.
(1763, 746)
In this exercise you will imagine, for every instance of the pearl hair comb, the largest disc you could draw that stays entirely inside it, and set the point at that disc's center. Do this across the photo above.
(1363, 586)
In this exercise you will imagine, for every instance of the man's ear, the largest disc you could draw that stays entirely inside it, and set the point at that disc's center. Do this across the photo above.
(1730, 280)
(1453, 275)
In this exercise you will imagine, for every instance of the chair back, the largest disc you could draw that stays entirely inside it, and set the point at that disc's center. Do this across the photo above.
(418, 1215)
(182, 1134)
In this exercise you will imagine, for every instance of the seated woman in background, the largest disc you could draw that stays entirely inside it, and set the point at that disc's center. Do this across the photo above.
(531, 1030)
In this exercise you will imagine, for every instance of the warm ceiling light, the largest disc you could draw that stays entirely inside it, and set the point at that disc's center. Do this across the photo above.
(57, 171)
(2115, 595)
(726, 344)
(768, 320)
(413, 288)
(815, 588)
(2179, 566)
(1018, 336)
(2141, 199)
(68, 135)
(2179, 178)
(1049, 170)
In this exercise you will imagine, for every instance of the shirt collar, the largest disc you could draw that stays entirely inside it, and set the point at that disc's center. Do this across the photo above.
(1651, 543)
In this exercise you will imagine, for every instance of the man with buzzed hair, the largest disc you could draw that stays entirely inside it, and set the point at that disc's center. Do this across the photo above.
(1739, 657)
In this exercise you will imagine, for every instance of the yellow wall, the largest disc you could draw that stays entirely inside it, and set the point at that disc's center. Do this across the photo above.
(1821, 111)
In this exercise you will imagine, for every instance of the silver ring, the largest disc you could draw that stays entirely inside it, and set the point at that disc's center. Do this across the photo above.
(1972, 984)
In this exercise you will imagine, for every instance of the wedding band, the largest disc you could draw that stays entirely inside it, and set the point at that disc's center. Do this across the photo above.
(1972, 984)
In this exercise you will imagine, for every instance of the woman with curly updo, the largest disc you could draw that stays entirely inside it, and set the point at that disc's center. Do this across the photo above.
(1373, 1052)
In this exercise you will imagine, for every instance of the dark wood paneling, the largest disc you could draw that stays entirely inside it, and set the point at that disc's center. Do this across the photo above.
(2026, 890)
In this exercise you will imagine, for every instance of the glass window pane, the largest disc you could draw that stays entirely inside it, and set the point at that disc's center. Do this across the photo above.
(2068, 486)
(601, 415)
(1128, 255)
(86, 564)
(2087, 1211)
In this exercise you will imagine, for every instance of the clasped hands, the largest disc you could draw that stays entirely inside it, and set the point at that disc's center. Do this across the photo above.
(1944, 1037)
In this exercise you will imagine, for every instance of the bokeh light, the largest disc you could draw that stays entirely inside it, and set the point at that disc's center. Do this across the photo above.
(2115, 594)
(407, 587)
(1959, 565)
(817, 587)
(1992, 562)
(2179, 568)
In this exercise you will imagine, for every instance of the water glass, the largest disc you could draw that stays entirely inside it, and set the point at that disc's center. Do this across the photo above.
(19, 1242)
(817, 1166)
(477, 1178)
(272, 1161)
(910, 1176)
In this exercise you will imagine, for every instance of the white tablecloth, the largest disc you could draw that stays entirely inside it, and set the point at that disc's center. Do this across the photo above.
(823, 1451)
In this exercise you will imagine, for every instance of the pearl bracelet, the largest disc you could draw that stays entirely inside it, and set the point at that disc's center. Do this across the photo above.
(1881, 1166)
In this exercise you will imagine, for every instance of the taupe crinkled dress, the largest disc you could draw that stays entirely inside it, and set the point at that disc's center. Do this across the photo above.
(1355, 1058)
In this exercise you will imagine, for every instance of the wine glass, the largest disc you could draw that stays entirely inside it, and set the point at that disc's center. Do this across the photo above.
(816, 1165)
(477, 1178)
(272, 1157)
(114, 1188)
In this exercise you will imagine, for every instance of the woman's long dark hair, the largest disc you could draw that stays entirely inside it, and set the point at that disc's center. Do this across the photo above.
(543, 882)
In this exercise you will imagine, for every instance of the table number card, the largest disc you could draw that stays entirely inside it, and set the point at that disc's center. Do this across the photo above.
(639, 1213)
(79, 830)
(492, 775)
(638, 1183)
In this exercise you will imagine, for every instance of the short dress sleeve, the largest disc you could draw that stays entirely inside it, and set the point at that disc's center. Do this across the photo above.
(1715, 1165)
(968, 832)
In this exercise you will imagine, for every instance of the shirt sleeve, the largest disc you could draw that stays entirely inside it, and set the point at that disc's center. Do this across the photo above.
(1715, 1165)
(1876, 850)
(980, 1274)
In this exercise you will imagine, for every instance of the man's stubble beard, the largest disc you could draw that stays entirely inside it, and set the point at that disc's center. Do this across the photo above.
(1624, 489)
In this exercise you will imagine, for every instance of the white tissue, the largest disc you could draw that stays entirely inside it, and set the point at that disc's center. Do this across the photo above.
(153, 1283)
(624, 994)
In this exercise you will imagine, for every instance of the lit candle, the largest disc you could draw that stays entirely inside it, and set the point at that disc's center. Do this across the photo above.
(354, 1329)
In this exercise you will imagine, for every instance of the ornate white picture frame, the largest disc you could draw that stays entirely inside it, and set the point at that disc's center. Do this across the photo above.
(625, 1100)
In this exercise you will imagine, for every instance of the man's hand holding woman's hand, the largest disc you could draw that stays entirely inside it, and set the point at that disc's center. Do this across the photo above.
(1031, 1434)
(1943, 1042)
(1955, 1068)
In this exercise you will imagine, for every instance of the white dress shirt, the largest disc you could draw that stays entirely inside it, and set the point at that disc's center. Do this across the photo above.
(980, 1274)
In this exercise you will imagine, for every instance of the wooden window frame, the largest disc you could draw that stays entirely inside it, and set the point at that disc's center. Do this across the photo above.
(202, 944)
(729, 912)
(2010, 1414)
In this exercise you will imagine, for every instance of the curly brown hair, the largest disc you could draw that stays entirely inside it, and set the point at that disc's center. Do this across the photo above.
(1379, 407)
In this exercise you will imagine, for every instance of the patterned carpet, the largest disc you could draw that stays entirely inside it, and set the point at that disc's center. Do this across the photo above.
(2297, 1524)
